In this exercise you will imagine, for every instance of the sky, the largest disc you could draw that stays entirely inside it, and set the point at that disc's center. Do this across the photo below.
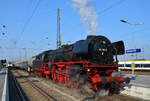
(31, 25)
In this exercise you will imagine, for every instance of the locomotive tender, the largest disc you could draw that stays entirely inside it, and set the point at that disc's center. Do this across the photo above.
(87, 64)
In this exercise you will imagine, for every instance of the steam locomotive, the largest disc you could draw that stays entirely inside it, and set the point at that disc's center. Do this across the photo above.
(86, 64)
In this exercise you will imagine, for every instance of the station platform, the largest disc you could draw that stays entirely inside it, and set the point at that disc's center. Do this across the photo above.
(4, 92)
(139, 86)
(137, 80)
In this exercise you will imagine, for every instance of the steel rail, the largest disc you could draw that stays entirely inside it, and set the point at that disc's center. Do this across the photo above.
(18, 87)
(40, 90)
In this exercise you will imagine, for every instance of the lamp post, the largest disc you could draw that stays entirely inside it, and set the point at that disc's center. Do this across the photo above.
(133, 43)
(132, 26)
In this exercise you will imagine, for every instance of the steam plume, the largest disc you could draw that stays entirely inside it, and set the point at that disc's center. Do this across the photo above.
(88, 15)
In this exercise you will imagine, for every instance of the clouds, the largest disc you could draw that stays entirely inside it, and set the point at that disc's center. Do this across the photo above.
(88, 15)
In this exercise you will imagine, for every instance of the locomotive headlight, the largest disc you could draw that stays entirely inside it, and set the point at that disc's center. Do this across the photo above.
(88, 70)
(104, 42)
(100, 49)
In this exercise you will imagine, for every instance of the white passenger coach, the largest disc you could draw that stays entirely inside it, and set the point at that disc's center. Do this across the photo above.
(137, 65)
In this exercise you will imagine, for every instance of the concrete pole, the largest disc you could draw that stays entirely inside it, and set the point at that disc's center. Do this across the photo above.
(58, 29)
(25, 50)
(143, 53)
(133, 45)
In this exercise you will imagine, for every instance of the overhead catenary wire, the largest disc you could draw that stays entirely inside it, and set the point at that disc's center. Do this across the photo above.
(29, 19)
(137, 31)
(111, 6)
(144, 29)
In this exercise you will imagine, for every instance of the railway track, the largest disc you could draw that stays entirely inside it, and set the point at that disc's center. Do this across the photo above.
(15, 92)
(40, 90)
(22, 77)
(47, 87)
(19, 90)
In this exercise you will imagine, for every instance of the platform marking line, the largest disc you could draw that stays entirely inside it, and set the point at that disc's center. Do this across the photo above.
(5, 90)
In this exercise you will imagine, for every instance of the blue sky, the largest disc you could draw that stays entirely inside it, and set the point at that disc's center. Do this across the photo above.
(16, 14)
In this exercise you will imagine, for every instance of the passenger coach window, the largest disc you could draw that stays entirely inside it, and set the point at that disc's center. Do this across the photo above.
(121, 65)
(137, 65)
(128, 65)
(145, 65)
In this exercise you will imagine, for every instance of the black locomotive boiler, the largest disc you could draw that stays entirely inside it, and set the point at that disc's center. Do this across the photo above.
(96, 49)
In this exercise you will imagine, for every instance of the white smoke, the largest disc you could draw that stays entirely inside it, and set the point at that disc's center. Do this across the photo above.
(88, 15)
